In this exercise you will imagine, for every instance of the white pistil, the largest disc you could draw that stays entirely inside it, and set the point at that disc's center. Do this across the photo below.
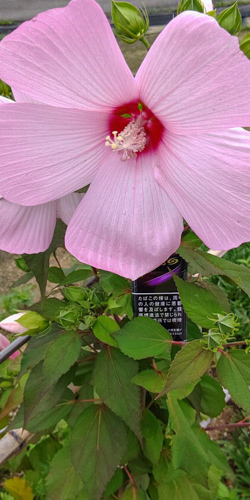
(131, 141)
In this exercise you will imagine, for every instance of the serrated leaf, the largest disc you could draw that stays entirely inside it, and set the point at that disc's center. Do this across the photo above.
(151, 380)
(112, 379)
(187, 452)
(209, 265)
(18, 488)
(99, 441)
(233, 369)
(143, 338)
(49, 308)
(36, 349)
(152, 436)
(199, 303)
(86, 392)
(179, 487)
(188, 365)
(62, 353)
(208, 397)
(102, 329)
(49, 417)
(63, 483)
(40, 397)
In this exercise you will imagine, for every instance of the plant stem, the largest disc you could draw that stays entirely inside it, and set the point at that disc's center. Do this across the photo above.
(228, 426)
(129, 475)
(146, 42)
(240, 342)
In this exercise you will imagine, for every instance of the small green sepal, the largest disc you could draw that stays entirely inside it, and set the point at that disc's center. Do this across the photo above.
(245, 45)
(195, 5)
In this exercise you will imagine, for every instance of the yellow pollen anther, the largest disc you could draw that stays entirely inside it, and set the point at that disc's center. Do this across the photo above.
(108, 138)
(113, 146)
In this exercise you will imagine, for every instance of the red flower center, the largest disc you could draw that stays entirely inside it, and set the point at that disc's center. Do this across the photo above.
(135, 129)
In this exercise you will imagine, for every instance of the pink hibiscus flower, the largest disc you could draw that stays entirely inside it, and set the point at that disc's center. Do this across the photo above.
(155, 147)
(30, 229)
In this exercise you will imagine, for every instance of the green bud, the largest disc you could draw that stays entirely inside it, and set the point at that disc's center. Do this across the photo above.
(227, 324)
(190, 5)
(75, 294)
(21, 264)
(33, 322)
(130, 22)
(245, 45)
(70, 316)
(230, 19)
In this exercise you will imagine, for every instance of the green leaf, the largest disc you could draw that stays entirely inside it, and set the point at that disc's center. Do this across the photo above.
(208, 397)
(208, 265)
(112, 379)
(152, 436)
(99, 441)
(188, 454)
(102, 328)
(62, 353)
(179, 487)
(151, 380)
(39, 263)
(40, 397)
(188, 365)
(115, 483)
(55, 274)
(23, 279)
(161, 469)
(134, 493)
(233, 369)
(63, 483)
(193, 331)
(47, 418)
(143, 338)
(214, 452)
(75, 276)
(132, 449)
(112, 283)
(86, 392)
(49, 308)
(36, 349)
(199, 303)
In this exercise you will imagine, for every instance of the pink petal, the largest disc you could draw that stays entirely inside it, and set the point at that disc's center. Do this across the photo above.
(10, 324)
(67, 205)
(208, 179)
(68, 57)
(126, 223)
(48, 152)
(26, 229)
(195, 78)
(4, 342)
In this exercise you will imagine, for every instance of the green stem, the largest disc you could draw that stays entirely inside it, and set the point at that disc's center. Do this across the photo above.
(146, 42)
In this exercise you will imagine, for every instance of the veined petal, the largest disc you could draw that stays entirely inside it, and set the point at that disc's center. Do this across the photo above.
(67, 205)
(26, 229)
(126, 223)
(195, 78)
(68, 57)
(208, 179)
(48, 152)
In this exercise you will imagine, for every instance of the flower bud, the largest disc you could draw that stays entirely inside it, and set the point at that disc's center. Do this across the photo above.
(70, 317)
(11, 324)
(24, 322)
(245, 45)
(4, 342)
(230, 19)
(130, 22)
(21, 264)
(75, 294)
(195, 5)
